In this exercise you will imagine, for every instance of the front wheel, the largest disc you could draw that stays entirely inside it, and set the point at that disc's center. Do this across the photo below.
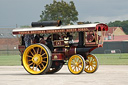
(37, 59)
(76, 64)
(91, 64)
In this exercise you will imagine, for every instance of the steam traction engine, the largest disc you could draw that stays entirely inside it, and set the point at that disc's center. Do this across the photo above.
(58, 46)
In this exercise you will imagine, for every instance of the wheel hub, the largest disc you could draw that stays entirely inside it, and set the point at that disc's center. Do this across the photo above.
(90, 63)
(76, 64)
(37, 59)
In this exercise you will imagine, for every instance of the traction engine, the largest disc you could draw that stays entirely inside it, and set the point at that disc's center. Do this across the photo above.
(56, 46)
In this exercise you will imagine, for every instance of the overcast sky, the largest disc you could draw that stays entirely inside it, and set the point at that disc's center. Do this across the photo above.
(23, 12)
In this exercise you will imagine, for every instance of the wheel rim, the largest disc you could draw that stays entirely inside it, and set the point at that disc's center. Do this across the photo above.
(76, 64)
(35, 59)
(91, 64)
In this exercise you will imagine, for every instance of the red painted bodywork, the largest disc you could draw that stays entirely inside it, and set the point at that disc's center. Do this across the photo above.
(57, 56)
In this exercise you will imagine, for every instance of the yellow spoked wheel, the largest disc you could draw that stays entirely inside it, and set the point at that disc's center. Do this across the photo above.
(37, 59)
(76, 64)
(91, 64)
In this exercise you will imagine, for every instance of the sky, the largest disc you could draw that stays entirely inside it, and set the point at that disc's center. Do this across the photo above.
(22, 12)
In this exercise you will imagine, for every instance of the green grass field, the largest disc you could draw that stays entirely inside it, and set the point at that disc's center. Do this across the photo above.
(104, 59)
(113, 59)
(10, 60)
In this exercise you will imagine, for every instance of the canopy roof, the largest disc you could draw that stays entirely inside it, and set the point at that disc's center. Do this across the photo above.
(60, 29)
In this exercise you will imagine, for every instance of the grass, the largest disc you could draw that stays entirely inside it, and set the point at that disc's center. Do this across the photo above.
(10, 60)
(113, 59)
(104, 59)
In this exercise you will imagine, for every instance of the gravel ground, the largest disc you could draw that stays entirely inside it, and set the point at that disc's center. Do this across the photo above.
(105, 75)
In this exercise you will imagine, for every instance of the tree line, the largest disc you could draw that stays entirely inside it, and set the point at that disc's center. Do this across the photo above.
(123, 24)
(67, 13)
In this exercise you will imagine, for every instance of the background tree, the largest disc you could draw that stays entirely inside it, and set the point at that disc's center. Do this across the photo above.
(60, 10)
(123, 24)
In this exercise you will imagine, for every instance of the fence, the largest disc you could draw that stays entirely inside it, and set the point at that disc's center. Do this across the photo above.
(123, 46)
(9, 50)
(114, 53)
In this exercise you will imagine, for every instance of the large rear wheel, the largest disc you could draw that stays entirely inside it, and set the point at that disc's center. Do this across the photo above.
(37, 59)
(76, 64)
(91, 64)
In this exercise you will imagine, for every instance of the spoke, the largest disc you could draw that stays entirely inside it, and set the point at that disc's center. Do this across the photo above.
(31, 53)
(44, 61)
(89, 59)
(89, 68)
(34, 50)
(79, 60)
(36, 67)
(44, 57)
(33, 66)
(94, 66)
(37, 50)
(93, 63)
(79, 67)
(30, 60)
(74, 68)
(40, 51)
(86, 66)
(75, 59)
(30, 64)
(29, 56)
(72, 63)
(79, 63)
(93, 59)
(40, 67)
(43, 54)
